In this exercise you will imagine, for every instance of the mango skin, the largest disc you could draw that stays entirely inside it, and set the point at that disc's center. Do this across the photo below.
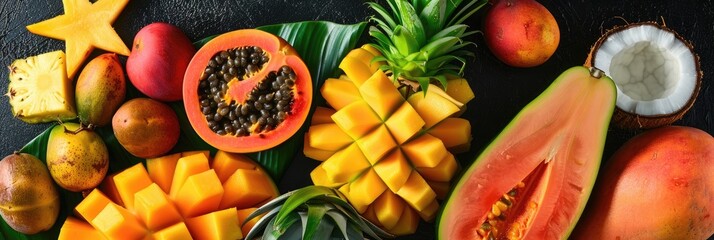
(146, 128)
(100, 90)
(77, 161)
(521, 33)
(29, 202)
(658, 185)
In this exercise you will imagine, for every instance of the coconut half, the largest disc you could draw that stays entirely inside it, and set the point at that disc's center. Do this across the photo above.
(656, 72)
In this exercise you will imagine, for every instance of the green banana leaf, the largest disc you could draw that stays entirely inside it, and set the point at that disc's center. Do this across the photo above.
(322, 45)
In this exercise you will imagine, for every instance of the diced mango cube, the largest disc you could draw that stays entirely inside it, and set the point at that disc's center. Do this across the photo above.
(425, 151)
(185, 167)
(339, 92)
(459, 89)
(365, 56)
(221, 224)
(75, 229)
(441, 173)
(357, 119)
(115, 222)
(416, 192)
(328, 137)
(154, 208)
(407, 224)
(322, 115)
(394, 170)
(432, 107)
(367, 188)
(110, 189)
(178, 231)
(319, 178)
(376, 144)
(91, 205)
(430, 211)
(455, 133)
(247, 188)
(404, 123)
(388, 208)
(356, 70)
(440, 188)
(161, 170)
(243, 214)
(225, 163)
(345, 165)
(131, 181)
(200, 194)
(379, 92)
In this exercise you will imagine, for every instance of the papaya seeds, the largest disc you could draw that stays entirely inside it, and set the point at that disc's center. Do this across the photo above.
(77, 157)
(100, 90)
(247, 91)
(146, 128)
(29, 202)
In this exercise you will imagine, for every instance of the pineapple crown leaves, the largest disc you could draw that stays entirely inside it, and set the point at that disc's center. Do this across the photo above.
(423, 40)
(313, 212)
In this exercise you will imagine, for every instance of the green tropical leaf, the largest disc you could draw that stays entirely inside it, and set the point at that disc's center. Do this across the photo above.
(322, 45)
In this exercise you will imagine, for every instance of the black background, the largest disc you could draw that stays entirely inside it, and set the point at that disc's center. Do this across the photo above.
(501, 91)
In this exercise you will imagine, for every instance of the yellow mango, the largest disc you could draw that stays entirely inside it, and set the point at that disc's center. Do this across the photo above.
(459, 89)
(328, 137)
(345, 165)
(441, 173)
(161, 170)
(314, 153)
(440, 188)
(75, 229)
(154, 208)
(339, 93)
(455, 133)
(407, 224)
(404, 123)
(356, 119)
(131, 181)
(115, 222)
(243, 214)
(388, 208)
(247, 188)
(425, 151)
(416, 192)
(356, 70)
(91, 205)
(221, 224)
(366, 57)
(432, 107)
(200, 194)
(360, 207)
(430, 211)
(371, 50)
(110, 189)
(322, 115)
(379, 92)
(185, 167)
(319, 178)
(367, 188)
(178, 231)
(225, 163)
(394, 170)
(376, 144)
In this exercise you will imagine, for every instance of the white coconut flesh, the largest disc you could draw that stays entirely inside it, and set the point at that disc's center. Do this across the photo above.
(654, 71)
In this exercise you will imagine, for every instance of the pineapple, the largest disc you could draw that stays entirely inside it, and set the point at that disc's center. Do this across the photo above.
(422, 41)
(388, 144)
(311, 212)
(39, 89)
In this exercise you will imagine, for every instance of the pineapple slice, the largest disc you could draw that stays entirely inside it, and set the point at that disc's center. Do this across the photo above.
(39, 89)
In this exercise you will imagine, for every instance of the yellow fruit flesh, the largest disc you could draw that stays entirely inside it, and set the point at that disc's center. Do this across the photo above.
(157, 216)
(131, 181)
(394, 146)
(328, 137)
(75, 229)
(39, 89)
(339, 93)
(83, 26)
(455, 133)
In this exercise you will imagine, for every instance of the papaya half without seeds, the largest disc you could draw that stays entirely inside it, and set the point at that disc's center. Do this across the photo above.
(246, 91)
(533, 180)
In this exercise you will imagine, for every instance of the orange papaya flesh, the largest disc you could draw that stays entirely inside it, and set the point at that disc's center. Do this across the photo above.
(533, 180)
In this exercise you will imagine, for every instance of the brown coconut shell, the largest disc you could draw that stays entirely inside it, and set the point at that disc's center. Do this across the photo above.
(627, 120)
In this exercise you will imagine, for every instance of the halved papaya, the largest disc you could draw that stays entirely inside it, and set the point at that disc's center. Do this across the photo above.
(246, 91)
(533, 180)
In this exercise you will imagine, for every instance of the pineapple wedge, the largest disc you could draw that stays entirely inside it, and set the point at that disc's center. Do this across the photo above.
(39, 89)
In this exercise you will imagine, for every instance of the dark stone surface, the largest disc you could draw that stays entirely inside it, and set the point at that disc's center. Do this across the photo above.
(501, 91)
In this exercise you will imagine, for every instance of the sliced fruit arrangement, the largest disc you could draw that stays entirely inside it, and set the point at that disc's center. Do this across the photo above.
(388, 144)
(84, 25)
(181, 196)
(656, 70)
(313, 212)
(533, 180)
(247, 91)
(39, 89)
(664, 177)
(391, 157)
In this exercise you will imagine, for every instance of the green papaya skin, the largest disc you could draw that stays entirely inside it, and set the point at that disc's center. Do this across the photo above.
(534, 179)
(100, 90)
